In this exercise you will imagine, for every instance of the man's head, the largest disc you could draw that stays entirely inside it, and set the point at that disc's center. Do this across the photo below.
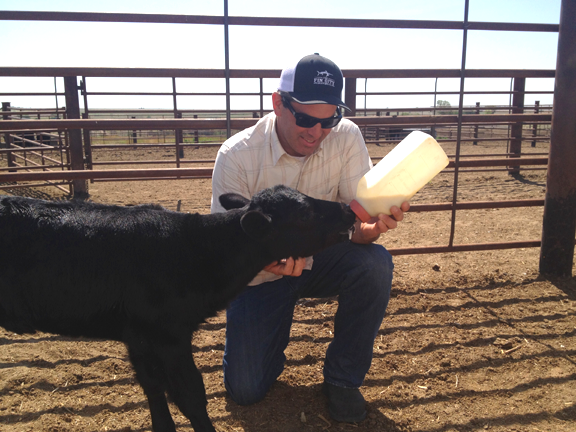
(307, 104)
(313, 80)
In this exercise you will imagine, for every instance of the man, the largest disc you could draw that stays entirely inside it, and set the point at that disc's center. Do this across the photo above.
(306, 144)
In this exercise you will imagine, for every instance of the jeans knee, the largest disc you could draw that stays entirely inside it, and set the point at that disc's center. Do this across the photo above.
(380, 259)
(244, 392)
(372, 279)
(377, 266)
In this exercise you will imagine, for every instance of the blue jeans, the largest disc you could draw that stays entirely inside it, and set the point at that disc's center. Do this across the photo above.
(259, 320)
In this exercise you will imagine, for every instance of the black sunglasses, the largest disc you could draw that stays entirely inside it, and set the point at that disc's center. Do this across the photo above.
(306, 121)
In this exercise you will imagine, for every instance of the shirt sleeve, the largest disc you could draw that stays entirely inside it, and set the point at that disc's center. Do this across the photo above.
(228, 176)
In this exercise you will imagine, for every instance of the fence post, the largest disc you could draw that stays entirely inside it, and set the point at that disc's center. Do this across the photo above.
(87, 146)
(559, 224)
(6, 108)
(134, 135)
(79, 186)
(378, 130)
(7, 137)
(516, 129)
(261, 97)
(350, 96)
(476, 126)
(179, 138)
(535, 125)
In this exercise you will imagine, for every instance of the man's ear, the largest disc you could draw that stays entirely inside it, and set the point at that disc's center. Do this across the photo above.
(232, 201)
(256, 224)
(277, 103)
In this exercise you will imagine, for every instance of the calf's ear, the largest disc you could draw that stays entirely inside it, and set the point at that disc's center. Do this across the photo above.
(233, 201)
(256, 224)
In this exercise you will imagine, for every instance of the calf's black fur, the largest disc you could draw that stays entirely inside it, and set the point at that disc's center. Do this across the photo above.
(148, 277)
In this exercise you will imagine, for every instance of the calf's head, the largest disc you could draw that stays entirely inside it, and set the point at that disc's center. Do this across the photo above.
(290, 224)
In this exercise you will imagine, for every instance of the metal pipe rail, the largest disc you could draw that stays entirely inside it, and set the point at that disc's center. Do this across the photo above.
(140, 111)
(36, 111)
(29, 149)
(31, 131)
(492, 162)
(36, 167)
(476, 205)
(263, 73)
(207, 172)
(116, 174)
(271, 21)
(358, 93)
(27, 140)
(155, 162)
(29, 185)
(150, 124)
(464, 247)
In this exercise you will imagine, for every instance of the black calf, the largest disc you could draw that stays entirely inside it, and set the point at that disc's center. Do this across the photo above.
(148, 277)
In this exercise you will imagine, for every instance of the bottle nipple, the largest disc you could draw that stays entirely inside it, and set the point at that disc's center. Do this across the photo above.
(362, 214)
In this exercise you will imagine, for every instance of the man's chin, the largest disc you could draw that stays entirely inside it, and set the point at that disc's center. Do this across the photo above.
(306, 148)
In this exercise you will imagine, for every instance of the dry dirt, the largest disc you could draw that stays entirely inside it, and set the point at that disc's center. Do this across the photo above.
(472, 341)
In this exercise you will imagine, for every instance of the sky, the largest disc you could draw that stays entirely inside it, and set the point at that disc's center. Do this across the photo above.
(100, 44)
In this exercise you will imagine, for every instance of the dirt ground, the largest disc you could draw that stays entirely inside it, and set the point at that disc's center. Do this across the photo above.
(472, 341)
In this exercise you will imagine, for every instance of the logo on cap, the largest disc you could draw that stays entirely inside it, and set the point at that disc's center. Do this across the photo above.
(323, 78)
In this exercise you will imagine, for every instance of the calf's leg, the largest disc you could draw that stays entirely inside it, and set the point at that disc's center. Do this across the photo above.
(164, 363)
(149, 372)
(185, 385)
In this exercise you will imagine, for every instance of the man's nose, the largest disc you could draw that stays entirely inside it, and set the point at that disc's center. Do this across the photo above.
(315, 131)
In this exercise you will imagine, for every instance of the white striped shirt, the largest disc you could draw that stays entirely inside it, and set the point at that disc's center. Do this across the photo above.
(254, 159)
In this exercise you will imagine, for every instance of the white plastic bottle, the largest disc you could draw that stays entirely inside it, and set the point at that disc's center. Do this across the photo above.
(415, 161)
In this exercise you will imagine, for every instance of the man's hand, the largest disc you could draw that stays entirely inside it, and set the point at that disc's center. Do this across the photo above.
(287, 267)
(368, 232)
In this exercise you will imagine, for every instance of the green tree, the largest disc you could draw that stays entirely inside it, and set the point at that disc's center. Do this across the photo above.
(444, 104)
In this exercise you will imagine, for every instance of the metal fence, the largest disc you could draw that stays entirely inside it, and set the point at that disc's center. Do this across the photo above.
(87, 131)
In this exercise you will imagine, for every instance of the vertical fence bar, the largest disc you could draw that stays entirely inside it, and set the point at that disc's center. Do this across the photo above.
(516, 129)
(227, 69)
(86, 133)
(174, 101)
(56, 98)
(378, 113)
(433, 129)
(178, 135)
(179, 139)
(261, 97)
(134, 135)
(350, 96)
(476, 126)
(365, 106)
(7, 138)
(365, 97)
(535, 125)
(79, 186)
(559, 224)
(87, 146)
(509, 112)
(459, 130)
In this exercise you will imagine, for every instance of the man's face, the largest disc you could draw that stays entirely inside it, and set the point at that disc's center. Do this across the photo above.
(295, 140)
